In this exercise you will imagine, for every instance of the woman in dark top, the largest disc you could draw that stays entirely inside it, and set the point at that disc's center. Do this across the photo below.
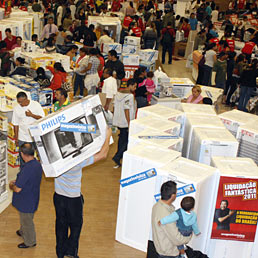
(41, 78)
(247, 84)
(141, 91)
(150, 36)
(19, 69)
(90, 37)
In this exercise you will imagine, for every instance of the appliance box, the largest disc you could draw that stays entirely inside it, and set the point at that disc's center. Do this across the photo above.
(132, 60)
(59, 150)
(149, 55)
(131, 49)
(112, 46)
(130, 40)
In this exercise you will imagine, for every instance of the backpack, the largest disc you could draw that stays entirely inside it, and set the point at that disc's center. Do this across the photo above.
(167, 38)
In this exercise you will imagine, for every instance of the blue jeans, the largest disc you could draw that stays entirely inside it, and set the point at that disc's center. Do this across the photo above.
(78, 82)
(220, 85)
(245, 94)
(164, 256)
(184, 233)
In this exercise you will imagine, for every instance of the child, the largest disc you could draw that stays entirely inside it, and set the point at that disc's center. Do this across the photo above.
(220, 67)
(185, 219)
(124, 112)
(150, 86)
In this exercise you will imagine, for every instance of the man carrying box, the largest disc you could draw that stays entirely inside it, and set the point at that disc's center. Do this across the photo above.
(68, 202)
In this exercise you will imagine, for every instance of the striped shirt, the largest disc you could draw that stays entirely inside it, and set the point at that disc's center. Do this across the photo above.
(69, 183)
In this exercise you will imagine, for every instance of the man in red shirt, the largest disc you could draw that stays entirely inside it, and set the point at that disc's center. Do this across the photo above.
(248, 49)
(116, 6)
(127, 21)
(10, 40)
(215, 40)
(136, 30)
(167, 39)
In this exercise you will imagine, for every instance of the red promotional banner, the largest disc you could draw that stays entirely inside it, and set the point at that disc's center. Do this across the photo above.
(236, 210)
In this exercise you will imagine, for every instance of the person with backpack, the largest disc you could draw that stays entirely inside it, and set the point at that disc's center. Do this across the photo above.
(4, 59)
(167, 39)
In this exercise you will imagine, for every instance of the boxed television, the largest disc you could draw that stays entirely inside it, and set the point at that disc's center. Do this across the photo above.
(106, 47)
(148, 55)
(131, 59)
(60, 139)
(3, 171)
(131, 49)
(130, 40)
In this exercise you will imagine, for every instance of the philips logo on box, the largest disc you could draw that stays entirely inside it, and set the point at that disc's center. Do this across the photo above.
(53, 122)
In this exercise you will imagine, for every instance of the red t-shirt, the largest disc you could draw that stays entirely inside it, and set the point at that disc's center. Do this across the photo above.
(10, 43)
(115, 6)
(137, 31)
(231, 44)
(215, 40)
(241, 4)
(170, 31)
(248, 48)
(127, 21)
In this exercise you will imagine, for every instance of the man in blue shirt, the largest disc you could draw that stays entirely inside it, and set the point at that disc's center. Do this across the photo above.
(68, 202)
(26, 189)
(193, 22)
(208, 9)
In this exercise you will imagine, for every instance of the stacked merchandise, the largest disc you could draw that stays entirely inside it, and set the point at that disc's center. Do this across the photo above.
(163, 112)
(203, 109)
(181, 86)
(239, 239)
(209, 142)
(136, 200)
(131, 61)
(5, 24)
(3, 168)
(156, 123)
(106, 47)
(157, 138)
(247, 135)
(13, 150)
(235, 118)
(148, 59)
(197, 120)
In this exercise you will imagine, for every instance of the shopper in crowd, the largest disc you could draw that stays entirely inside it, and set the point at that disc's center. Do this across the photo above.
(185, 27)
(105, 38)
(201, 13)
(210, 59)
(223, 46)
(61, 99)
(19, 67)
(72, 53)
(237, 72)
(36, 7)
(247, 84)
(116, 66)
(25, 113)
(48, 29)
(200, 39)
(208, 9)
(50, 47)
(186, 220)
(248, 49)
(195, 97)
(212, 31)
(227, 25)
(67, 21)
(18, 42)
(59, 77)
(34, 38)
(166, 238)
(102, 63)
(124, 112)
(150, 37)
(167, 40)
(80, 65)
(109, 87)
(10, 39)
(68, 202)
(220, 67)
(26, 192)
(92, 77)
(215, 15)
(115, 7)
(169, 18)
(90, 37)
(41, 78)
(193, 22)
(141, 92)
(130, 10)
(150, 85)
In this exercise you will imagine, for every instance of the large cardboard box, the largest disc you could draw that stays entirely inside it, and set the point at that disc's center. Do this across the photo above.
(3, 122)
(3, 171)
(106, 47)
(130, 40)
(149, 55)
(131, 60)
(131, 49)
(60, 150)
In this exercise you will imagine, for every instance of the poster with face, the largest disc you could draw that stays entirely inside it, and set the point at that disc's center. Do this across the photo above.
(236, 210)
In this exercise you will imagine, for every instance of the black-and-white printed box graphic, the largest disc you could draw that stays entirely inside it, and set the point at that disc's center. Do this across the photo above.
(60, 150)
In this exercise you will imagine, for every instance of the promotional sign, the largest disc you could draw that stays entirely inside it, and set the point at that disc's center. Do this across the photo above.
(236, 210)
(138, 177)
(76, 127)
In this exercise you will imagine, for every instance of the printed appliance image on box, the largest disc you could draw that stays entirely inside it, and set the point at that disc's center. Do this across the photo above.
(61, 150)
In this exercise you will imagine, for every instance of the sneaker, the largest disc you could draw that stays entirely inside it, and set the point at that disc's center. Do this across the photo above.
(117, 166)
(76, 97)
(80, 96)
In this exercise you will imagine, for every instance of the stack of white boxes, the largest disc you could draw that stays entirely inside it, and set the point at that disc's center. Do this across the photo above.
(106, 47)
(130, 56)
(3, 171)
(148, 59)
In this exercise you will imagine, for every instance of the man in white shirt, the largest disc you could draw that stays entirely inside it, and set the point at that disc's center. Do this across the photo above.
(24, 114)
(73, 9)
(48, 29)
(105, 39)
(109, 87)
(215, 15)
(59, 15)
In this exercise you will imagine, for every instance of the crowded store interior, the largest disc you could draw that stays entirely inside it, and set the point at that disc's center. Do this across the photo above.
(157, 97)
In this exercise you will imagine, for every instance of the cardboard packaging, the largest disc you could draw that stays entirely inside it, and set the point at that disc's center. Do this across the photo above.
(3, 171)
(106, 47)
(131, 49)
(148, 55)
(209, 142)
(201, 109)
(11, 145)
(136, 200)
(60, 150)
(130, 40)
(3, 122)
(13, 159)
(241, 169)
(156, 138)
(45, 97)
(132, 60)
(48, 109)
(162, 125)
(150, 67)
(10, 130)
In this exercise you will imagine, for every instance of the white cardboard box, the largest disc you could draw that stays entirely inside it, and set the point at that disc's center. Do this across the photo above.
(130, 40)
(131, 59)
(112, 46)
(131, 49)
(59, 151)
(149, 55)
(3, 171)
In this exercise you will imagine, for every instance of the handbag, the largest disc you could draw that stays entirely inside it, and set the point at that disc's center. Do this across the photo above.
(66, 86)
